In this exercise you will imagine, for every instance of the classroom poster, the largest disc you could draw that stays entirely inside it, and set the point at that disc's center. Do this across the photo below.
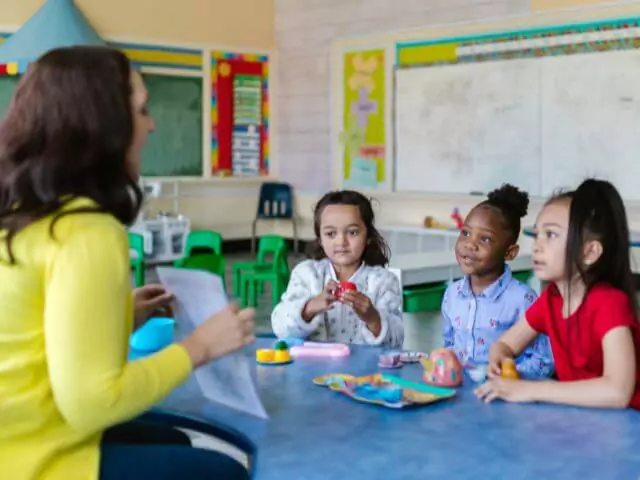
(364, 134)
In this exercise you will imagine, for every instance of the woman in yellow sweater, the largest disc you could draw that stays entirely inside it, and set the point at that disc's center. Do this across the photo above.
(69, 163)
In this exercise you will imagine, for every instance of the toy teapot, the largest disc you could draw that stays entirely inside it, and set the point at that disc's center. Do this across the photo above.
(442, 368)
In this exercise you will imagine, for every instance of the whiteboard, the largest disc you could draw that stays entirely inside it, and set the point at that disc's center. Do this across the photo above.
(539, 123)
(591, 120)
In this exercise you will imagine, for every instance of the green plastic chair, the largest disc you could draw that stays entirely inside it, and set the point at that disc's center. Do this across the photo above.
(136, 243)
(201, 240)
(268, 246)
(203, 251)
(253, 281)
(209, 262)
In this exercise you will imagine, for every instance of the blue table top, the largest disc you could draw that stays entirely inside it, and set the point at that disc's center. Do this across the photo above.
(314, 433)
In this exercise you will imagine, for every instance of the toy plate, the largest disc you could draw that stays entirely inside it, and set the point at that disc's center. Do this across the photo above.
(273, 364)
(377, 388)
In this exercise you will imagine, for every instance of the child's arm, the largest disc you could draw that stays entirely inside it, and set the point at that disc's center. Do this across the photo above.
(536, 361)
(510, 345)
(287, 317)
(614, 389)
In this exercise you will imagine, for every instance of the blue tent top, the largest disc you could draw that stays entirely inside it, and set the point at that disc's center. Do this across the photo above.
(58, 23)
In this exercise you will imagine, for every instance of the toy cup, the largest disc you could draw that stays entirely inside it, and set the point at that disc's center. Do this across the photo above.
(389, 360)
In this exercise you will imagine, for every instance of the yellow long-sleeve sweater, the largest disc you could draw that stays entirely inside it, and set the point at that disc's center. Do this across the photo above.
(66, 314)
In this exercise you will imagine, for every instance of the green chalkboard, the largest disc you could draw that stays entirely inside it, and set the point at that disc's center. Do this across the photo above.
(175, 103)
(7, 86)
(175, 148)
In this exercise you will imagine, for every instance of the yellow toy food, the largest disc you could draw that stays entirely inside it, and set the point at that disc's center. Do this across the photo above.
(265, 355)
(282, 356)
(509, 369)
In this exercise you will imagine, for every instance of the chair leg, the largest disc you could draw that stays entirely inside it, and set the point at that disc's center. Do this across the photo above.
(253, 236)
(295, 236)
(253, 295)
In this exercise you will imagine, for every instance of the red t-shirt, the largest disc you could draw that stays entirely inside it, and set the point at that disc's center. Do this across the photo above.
(576, 342)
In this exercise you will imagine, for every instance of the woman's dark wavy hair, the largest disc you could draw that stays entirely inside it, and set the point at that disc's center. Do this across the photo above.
(376, 252)
(65, 135)
(597, 212)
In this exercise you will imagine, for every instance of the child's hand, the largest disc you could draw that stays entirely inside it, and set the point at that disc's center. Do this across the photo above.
(498, 352)
(363, 307)
(147, 299)
(320, 303)
(518, 391)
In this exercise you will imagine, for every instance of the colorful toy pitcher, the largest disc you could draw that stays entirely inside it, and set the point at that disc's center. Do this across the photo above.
(442, 368)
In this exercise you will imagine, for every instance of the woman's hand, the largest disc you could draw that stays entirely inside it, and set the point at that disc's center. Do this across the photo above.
(498, 352)
(148, 299)
(364, 308)
(225, 332)
(320, 303)
(519, 391)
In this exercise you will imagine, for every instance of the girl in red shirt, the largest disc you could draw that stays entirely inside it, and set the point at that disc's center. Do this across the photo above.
(588, 311)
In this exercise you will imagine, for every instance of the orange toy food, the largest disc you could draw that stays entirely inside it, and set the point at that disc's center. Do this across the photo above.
(509, 369)
(265, 355)
(282, 356)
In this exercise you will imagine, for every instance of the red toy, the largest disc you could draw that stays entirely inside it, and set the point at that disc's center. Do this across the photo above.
(457, 218)
(345, 287)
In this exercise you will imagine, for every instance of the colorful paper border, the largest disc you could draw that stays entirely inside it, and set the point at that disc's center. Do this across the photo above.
(216, 58)
(622, 34)
(170, 58)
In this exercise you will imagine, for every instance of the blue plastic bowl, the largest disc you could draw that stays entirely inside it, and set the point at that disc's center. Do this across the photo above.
(154, 335)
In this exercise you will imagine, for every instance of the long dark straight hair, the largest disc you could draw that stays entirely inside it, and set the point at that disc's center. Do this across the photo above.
(67, 134)
(376, 253)
(597, 212)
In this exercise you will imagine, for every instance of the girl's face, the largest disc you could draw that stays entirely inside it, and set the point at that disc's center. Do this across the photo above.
(484, 244)
(343, 235)
(142, 124)
(549, 250)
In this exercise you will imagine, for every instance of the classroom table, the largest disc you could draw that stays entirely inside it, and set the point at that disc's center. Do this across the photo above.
(439, 266)
(314, 433)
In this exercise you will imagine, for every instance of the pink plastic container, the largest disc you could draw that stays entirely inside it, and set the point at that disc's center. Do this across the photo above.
(315, 349)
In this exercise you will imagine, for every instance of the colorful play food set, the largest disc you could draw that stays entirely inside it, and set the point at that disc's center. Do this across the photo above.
(442, 368)
(385, 390)
(156, 334)
(278, 355)
(390, 360)
(509, 369)
(345, 287)
(316, 349)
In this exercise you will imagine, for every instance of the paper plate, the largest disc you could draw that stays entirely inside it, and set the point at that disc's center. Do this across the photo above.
(413, 394)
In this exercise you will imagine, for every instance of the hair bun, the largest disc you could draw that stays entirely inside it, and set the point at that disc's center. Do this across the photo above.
(510, 198)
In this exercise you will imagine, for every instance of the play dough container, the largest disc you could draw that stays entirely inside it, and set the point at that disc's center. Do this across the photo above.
(154, 335)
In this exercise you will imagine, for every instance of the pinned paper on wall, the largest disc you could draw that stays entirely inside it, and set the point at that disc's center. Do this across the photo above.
(363, 138)
(364, 173)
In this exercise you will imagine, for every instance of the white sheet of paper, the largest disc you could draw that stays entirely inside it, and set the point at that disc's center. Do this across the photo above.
(228, 380)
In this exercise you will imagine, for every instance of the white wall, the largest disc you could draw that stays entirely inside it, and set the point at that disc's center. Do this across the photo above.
(307, 29)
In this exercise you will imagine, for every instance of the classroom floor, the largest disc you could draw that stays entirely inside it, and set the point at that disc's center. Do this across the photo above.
(422, 331)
